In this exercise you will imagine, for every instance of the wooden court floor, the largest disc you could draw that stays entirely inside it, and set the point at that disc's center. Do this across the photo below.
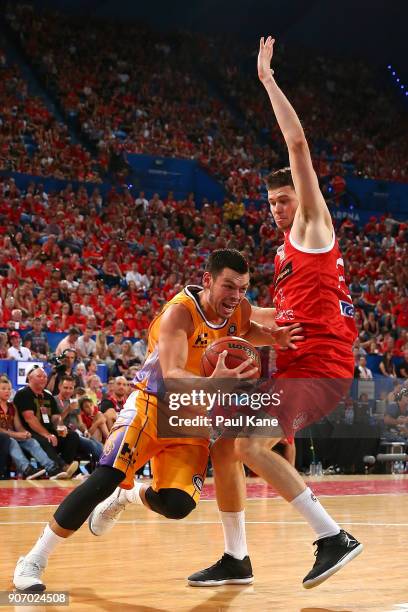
(143, 563)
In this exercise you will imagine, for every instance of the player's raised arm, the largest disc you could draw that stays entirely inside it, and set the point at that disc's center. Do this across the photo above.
(312, 210)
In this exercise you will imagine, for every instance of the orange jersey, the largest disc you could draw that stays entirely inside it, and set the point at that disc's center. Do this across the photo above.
(149, 377)
(140, 409)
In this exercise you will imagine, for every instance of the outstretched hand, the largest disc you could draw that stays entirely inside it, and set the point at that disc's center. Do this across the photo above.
(285, 337)
(265, 57)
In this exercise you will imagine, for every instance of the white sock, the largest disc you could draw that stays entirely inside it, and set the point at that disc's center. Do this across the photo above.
(233, 524)
(133, 495)
(311, 509)
(45, 544)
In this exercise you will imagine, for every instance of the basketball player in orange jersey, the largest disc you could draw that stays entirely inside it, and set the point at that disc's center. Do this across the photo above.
(309, 289)
(178, 336)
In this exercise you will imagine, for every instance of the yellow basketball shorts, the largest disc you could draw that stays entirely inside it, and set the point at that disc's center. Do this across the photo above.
(177, 463)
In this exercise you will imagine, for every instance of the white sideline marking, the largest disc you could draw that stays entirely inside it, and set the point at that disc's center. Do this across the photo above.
(187, 522)
(249, 499)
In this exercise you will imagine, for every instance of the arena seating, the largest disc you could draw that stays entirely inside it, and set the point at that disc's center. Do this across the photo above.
(184, 96)
(32, 141)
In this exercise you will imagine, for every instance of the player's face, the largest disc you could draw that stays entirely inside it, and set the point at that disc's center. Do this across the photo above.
(227, 290)
(283, 203)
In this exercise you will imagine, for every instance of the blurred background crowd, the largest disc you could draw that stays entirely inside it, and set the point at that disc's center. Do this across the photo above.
(86, 265)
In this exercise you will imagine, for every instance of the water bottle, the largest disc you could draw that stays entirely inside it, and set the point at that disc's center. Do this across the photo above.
(313, 469)
(319, 469)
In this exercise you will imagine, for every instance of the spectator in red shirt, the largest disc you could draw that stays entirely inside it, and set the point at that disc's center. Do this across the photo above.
(400, 313)
(77, 319)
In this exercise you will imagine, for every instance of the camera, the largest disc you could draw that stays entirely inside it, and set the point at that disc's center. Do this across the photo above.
(58, 363)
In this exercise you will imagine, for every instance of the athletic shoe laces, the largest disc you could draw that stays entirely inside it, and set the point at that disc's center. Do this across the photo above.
(31, 568)
(113, 510)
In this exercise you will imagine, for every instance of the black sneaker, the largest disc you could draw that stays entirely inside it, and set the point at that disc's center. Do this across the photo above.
(332, 554)
(31, 473)
(227, 570)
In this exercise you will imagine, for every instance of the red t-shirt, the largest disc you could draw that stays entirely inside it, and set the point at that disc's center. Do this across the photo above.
(88, 420)
(400, 311)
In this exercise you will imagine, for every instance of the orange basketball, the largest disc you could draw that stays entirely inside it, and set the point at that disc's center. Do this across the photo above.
(239, 350)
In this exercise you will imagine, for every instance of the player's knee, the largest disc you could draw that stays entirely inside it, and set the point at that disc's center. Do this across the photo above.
(171, 503)
(245, 448)
(222, 450)
(178, 504)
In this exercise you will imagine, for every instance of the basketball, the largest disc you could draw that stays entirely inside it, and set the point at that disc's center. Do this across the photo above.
(239, 350)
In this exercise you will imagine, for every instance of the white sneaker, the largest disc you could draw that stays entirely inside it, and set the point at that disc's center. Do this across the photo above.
(107, 513)
(27, 575)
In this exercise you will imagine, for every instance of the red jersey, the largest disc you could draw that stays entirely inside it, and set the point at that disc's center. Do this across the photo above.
(310, 289)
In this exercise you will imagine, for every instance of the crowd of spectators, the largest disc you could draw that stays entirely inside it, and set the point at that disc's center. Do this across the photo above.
(132, 90)
(376, 258)
(100, 268)
(48, 426)
(101, 285)
(32, 141)
(97, 267)
(341, 132)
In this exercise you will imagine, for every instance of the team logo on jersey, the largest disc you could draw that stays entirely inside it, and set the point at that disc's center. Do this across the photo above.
(232, 329)
(346, 309)
(299, 421)
(198, 482)
(126, 450)
(287, 270)
(281, 252)
(201, 340)
(126, 454)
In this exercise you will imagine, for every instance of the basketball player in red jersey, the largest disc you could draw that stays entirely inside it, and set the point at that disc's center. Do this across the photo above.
(309, 289)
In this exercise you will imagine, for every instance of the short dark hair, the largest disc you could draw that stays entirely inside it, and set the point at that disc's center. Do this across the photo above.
(226, 258)
(67, 378)
(279, 178)
(74, 331)
(83, 400)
